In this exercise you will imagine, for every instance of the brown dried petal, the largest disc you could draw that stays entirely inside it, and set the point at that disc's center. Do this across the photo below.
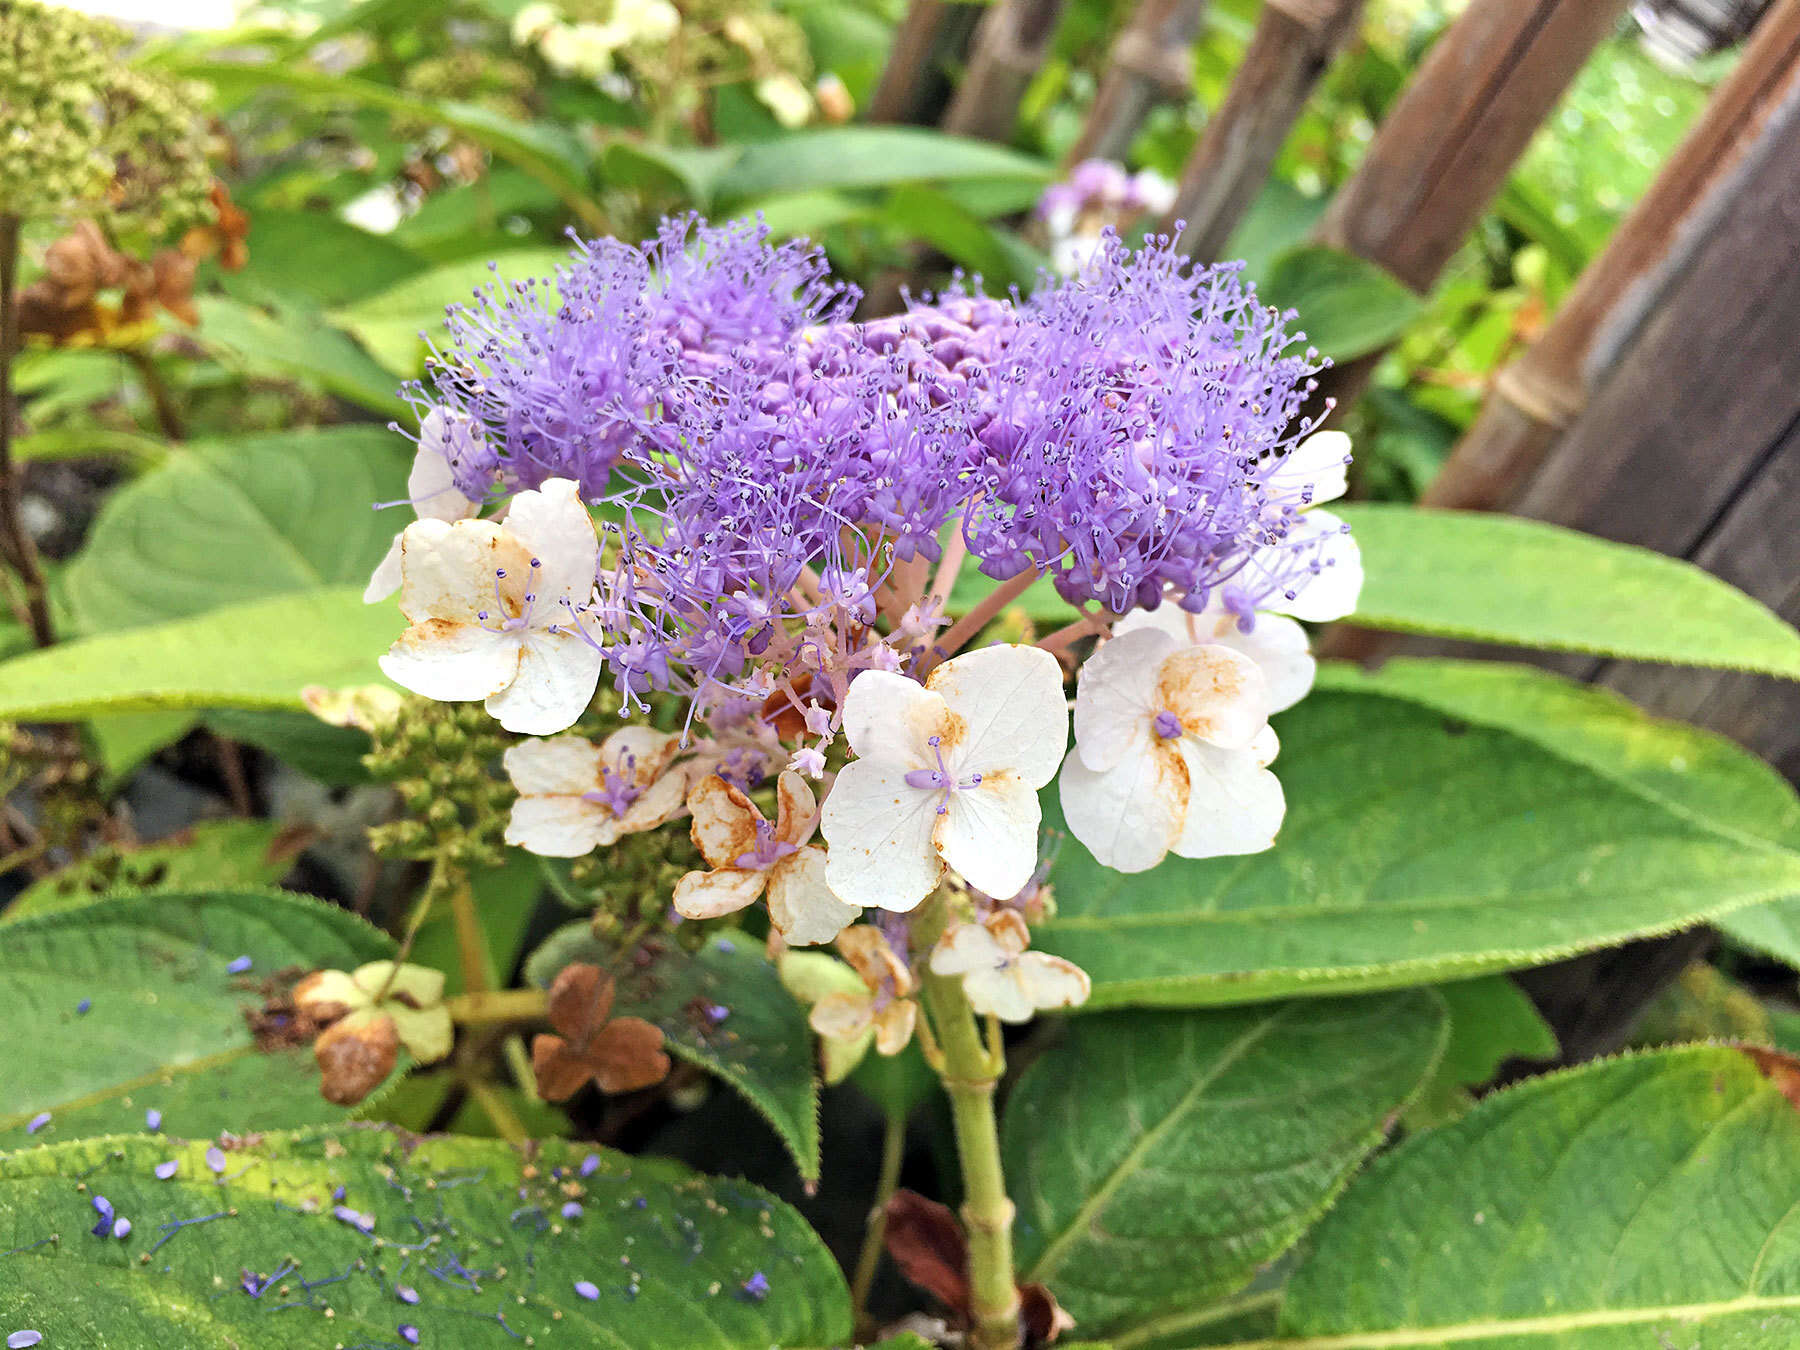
(1041, 1315)
(927, 1244)
(580, 999)
(628, 1055)
(560, 1072)
(355, 1057)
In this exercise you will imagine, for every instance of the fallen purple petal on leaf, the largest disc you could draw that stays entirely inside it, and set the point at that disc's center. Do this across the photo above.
(20, 1339)
(153, 1119)
(587, 1289)
(406, 1293)
(37, 1122)
(409, 1333)
(239, 966)
(572, 1210)
(215, 1160)
(165, 1170)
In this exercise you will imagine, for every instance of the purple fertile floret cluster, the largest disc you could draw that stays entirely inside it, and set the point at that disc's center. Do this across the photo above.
(781, 472)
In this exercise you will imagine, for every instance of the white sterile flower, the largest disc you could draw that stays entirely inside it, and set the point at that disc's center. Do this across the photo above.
(575, 796)
(783, 95)
(493, 611)
(747, 856)
(584, 49)
(1277, 644)
(947, 772)
(647, 20)
(883, 1011)
(1172, 745)
(532, 22)
(999, 976)
(430, 488)
(1314, 472)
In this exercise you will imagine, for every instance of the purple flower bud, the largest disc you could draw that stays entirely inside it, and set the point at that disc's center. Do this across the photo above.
(590, 1165)
(153, 1119)
(587, 1289)
(165, 1170)
(572, 1210)
(82, 1008)
(121, 1228)
(406, 1293)
(756, 1288)
(409, 1333)
(239, 965)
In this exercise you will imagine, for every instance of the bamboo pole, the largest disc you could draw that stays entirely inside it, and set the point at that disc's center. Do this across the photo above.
(1011, 44)
(1538, 396)
(1452, 138)
(1151, 62)
(913, 83)
(1294, 44)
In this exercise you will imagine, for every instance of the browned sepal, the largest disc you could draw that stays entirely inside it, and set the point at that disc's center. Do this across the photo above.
(1781, 1069)
(927, 1243)
(619, 1055)
(355, 1057)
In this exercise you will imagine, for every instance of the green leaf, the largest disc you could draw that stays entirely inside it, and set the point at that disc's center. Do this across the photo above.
(690, 171)
(1417, 847)
(125, 740)
(1348, 306)
(318, 257)
(1493, 578)
(391, 323)
(256, 655)
(1158, 1159)
(763, 1046)
(668, 1251)
(1491, 1021)
(867, 156)
(990, 251)
(333, 755)
(293, 344)
(166, 1027)
(1648, 1201)
(225, 522)
(217, 854)
(1690, 770)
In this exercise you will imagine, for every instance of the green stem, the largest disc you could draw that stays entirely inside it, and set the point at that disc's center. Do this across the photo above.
(486, 1008)
(971, 1071)
(471, 941)
(893, 1150)
(14, 538)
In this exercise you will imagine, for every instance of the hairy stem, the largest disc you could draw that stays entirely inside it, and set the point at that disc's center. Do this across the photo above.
(471, 941)
(970, 1073)
(15, 541)
(984, 612)
(868, 1261)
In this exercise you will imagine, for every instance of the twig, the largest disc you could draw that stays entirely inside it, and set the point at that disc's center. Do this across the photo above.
(16, 539)
(168, 417)
(868, 1260)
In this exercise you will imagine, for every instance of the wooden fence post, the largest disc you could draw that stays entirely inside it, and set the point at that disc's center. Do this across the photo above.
(914, 83)
(1294, 44)
(1151, 62)
(1010, 46)
(1448, 144)
(1538, 396)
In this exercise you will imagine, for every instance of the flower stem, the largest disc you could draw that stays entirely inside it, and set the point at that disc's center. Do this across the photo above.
(893, 1150)
(488, 1008)
(984, 611)
(471, 941)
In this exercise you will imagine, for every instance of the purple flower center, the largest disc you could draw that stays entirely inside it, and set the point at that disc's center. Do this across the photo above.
(1167, 725)
(618, 788)
(940, 779)
(768, 851)
(511, 623)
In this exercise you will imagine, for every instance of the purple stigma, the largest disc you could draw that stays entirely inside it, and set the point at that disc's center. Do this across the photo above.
(940, 779)
(1167, 725)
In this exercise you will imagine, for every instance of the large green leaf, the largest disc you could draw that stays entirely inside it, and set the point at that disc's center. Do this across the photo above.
(226, 522)
(1347, 305)
(215, 853)
(390, 322)
(295, 344)
(165, 1025)
(1417, 847)
(1494, 578)
(851, 157)
(1158, 1159)
(1690, 770)
(314, 255)
(1491, 1022)
(722, 1007)
(1652, 1201)
(256, 655)
(473, 1229)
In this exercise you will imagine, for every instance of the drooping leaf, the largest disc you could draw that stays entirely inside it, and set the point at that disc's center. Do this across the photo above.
(722, 1007)
(333, 755)
(1417, 847)
(1158, 1159)
(266, 1254)
(1691, 770)
(255, 655)
(1001, 258)
(316, 256)
(1494, 578)
(225, 522)
(215, 854)
(1347, 305)
(1647, 1201)
(867, 156)
(165, 1025)
(389, 323)
(295, 344)
(1491, 1021)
